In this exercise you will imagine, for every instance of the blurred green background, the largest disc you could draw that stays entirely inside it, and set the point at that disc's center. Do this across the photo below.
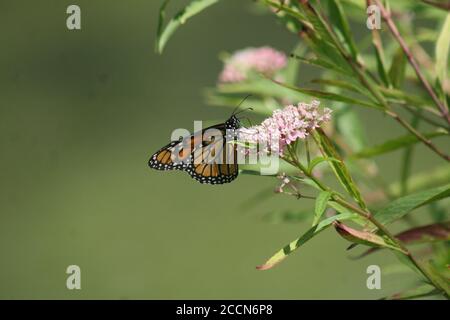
(80, 114)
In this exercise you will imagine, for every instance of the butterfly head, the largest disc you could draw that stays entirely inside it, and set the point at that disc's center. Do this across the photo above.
(232, 123)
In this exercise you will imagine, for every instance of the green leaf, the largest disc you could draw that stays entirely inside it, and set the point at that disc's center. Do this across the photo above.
(342, 210)
(338, 19)
(319, 160)
(291, 12)
(395, 144)
(398, 68)
(437, 277)
(321, 205)
(406, 261)
(164, 34)
(401, 206)
(422, 291)
(322, 64)
(339, 168)
(407, 158)
(329, 96)
(320, 39)
(341, 84)
(405, 97)
(162, 17)
(442, 51)
(379, 56)
(363, 237)
(294, 245)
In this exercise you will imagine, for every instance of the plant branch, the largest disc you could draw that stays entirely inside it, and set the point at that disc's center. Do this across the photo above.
(443, 6)
(422, 138)
(387, 233)
(365, 213)
(366, 81)
(419, 114)
(369, 216)
(392, 27)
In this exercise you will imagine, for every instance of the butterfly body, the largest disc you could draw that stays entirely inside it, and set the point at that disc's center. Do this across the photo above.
(207, 155)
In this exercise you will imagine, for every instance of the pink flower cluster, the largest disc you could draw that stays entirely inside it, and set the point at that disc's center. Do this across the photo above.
(265, 60)
(284, 127)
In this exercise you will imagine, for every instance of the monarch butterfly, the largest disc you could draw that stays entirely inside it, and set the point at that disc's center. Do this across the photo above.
(201, 154)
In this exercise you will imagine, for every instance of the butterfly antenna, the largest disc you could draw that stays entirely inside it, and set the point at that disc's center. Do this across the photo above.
(240, 103)
(243, 111)
(248, 119)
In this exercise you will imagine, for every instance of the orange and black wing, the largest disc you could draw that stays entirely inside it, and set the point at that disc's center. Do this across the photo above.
(215, 163)
(162, 159)
(177, 154)
(210, 161)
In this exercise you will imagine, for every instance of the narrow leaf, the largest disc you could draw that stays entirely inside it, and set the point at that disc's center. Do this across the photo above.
(395, 144)
(294, 13)
(398, 68)
(294, 245)
(339, 168)
(322, 64)
(379, 55)
(341, 84)
(401, 206)
(319, 160)
(329, 96)
(321, 205)
(405, 97)
(338, 18)
(164, 34)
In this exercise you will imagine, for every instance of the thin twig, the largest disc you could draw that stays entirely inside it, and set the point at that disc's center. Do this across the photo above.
(388, 234)
(393, 28)
(372, 88)
(422, 138)
(416, 112)
(443, 6)
(369, 216)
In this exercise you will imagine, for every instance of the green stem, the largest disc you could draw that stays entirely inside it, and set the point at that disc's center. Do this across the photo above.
(356, 67)
(412, 61)
(388, 110)
(388, 234)
(308, 154)
(367, 215)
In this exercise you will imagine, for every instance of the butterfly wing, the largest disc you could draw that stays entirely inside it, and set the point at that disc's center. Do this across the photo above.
(211, 161)
(162, 159)
(214, 163)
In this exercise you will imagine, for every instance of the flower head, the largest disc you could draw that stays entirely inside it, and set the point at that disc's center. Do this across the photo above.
(285, 126)
(265, 60)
